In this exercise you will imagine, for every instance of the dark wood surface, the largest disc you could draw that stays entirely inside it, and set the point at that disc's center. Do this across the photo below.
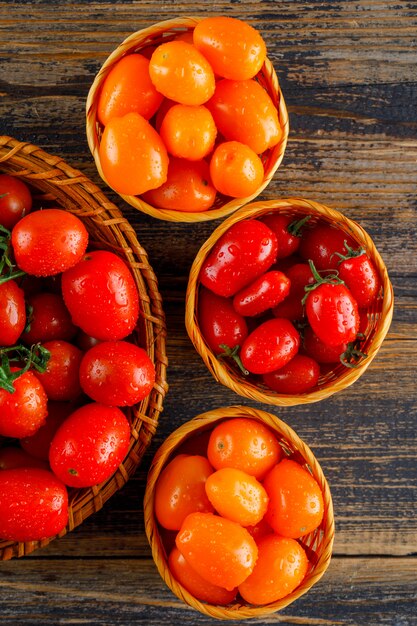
(348, 70)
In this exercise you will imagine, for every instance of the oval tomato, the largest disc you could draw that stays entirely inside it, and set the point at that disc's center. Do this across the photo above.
(101, 295)
(13, 313)
(287, 230)
(360, 277)
(299, 375)
(236, 170)
(61, 377)
(15, 200)
(320, 351)
(189, 132)
(219, 323)
(23, 411)
(264, 293)
(270, 346)
(333, 313)
(49, 319)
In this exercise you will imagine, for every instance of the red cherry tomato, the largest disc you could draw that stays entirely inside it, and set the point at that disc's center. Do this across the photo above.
(218, 549)
(360, 277)
(264, 293)
(40, 499)
(233, 48)
(13, 313)
(23, 411)
(333, 313)
(38, 444)
(49, 319)
(219, 323)
(287, 229)
(61, 377)
(101, 295)
(195, 584)
(320, 244)
(299, 375)
(180, 490)
(320, 351)
(90, 445)
(270, 346)
(244, 444)
(241, 254)
(281, 567)
(292, 307)
(12, 457)
(48, 242)
(117, 373)
(15, 200)
(295, 500)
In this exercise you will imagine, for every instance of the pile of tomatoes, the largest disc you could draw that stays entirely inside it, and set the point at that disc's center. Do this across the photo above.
(187, 119)
(236, 506)
(67, 364)
(286, 297)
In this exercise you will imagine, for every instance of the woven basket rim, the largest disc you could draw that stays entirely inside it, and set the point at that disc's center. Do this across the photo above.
(206, 421)
(132, 43)
(227, 375)
(73, 191)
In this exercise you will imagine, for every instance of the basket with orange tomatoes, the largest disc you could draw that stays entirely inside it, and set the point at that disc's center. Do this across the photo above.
(186, 119)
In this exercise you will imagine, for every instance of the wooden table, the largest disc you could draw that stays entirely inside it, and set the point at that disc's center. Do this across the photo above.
(348, 72)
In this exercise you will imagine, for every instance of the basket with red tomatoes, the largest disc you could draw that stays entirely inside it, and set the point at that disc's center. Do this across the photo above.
(82, 354)
(186, 119)
(288, 302)
(238, 514)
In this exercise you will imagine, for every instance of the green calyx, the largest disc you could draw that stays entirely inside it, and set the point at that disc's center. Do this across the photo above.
(353, 354)
(7, 268)
(35, 357)
(330, 279)
(351, 253)
(232, 353)
(295, 227)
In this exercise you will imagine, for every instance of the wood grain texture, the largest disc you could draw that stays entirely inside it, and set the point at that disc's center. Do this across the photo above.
(348, 71)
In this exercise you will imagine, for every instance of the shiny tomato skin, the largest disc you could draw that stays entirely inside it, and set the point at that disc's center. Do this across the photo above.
(320, 351)
(281, 567)
(48, 242)
(287, 243)
(299, 375)
(13, 313)
(101, 296)
(244, 444)
(117, 373)
(236, 170)
(233, 47)
(133, 157)
(90, 445)
(128, 88)
(49, 319)
(264, 293)
(270, 346)
(33, 504)
(15, 200)
(333, 314)
(180, 490)
(244, 252)
(292, 307)
(38, 444)
(219, 322)
(23, 411)
(295, 500)
(12, 457)
(237, 496)
(61, 377)
(361, 278)
(243, 111)
(218, 549)
(195, 584)
(188, 132)
(320, 243)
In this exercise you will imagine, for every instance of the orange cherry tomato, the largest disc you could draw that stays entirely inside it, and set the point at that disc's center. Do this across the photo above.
(237, 496)
(188, 187)
(199, 587)
(188, 132)
(128, 88)
(132, 155)
(243, 111)
(295, 500)
(233, 48)
(281, 566)
(180, 490)
(236, 170)
(180, 72)
(244, 444)
(218, 549)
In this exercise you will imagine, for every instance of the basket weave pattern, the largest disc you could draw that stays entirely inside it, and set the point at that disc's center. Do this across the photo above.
(155, 35)
(318, 544)
(53, 181)
(379, 314)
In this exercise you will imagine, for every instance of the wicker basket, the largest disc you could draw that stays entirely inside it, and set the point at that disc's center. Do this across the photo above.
(154, 35)
(318, 544)
(340, 377)
(53, 181)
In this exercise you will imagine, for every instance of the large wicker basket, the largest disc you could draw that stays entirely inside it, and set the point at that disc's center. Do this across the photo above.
(52, 181)
(318, 544)
(338, 378)
(154, 35)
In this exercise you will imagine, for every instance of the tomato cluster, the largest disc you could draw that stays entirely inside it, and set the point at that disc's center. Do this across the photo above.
(67, 364)
(284, 296)
(187, 119)
(236, 508)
